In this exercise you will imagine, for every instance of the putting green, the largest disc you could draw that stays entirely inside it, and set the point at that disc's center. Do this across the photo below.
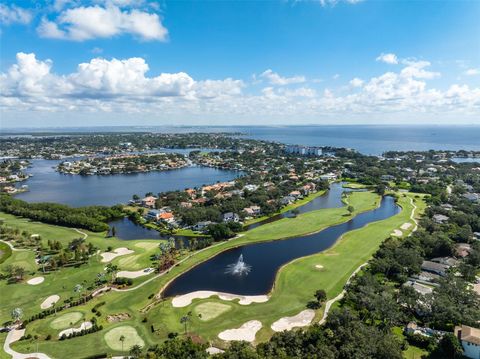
(131, 262)
(66, 320)
(131, 338)
(210, 310)
(147, 245)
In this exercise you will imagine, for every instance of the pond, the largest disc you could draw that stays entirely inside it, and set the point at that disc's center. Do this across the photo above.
(266, 258)
(47, 185)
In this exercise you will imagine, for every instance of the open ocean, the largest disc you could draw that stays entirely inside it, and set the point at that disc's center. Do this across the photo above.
(368, 139)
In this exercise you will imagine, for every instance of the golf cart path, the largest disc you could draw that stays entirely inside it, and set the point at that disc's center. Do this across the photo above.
(15, 335)
(329, 303)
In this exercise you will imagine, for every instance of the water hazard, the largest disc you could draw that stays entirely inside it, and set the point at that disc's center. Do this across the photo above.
(266, 258)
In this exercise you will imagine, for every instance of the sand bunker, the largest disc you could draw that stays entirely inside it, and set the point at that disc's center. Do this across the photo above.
(186, 299)
(49, 302)
(405, 226)
(246, 332)
(318, 266)
(70, 331)
(396, 233)
(302, 319)
(35, 281)
(134, 274)
(110, 256)
(213, 350)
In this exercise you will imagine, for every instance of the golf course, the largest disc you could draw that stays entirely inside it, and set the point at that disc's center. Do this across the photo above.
(139, 314)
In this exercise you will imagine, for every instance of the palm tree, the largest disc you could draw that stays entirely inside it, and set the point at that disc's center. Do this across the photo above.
(112, 269)
(78, 289)
(185, 319)
(17, 314)
(122, 339)
(136, 351)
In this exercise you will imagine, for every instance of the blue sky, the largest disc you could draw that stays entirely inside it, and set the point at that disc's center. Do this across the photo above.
(239, 62)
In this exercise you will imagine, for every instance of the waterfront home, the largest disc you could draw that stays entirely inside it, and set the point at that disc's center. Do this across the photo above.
(252, 211)
(149, 201)
(470, 339)
(230, 217)
(167, 217)
(201, 226)
(328, 176)
(296, 194)
(153, 215)
(287, 200)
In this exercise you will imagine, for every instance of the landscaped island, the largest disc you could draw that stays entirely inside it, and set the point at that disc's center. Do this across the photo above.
(125, 163)
(282, 244)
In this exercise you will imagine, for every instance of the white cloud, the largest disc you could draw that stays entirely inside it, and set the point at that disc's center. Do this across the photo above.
(388, 58)
(356, 82)
(124, 86)
(13, 14)
(335, 2)
(472, 72)
(275, 79)
(85, 23)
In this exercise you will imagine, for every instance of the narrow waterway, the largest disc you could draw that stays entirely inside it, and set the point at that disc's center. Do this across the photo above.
(267, 257)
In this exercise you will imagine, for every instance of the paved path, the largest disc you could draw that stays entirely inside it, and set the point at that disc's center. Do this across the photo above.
(13, 336)
(329, 304)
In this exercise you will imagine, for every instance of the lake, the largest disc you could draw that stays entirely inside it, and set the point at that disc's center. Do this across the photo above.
(47, 185)
(266, 258)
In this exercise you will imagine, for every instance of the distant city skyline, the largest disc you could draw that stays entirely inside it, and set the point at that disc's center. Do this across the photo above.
(143, 63)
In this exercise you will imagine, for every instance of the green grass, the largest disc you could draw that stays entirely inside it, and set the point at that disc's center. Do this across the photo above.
(210, 310)
(294, 286)
(66, 320)
(5, 252)
(131, 338)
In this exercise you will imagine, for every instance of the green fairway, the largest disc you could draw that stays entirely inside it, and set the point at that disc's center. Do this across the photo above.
(5, 252)
(209, 310)
(294, 286)
(67, 320)
(130, 338)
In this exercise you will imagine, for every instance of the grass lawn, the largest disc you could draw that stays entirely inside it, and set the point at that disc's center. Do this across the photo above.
(131, 338)
(5, 252)
(66, 320)
(209, 310)
(294, 286)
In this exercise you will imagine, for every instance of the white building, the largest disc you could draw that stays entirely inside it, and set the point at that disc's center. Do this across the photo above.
(470, 339)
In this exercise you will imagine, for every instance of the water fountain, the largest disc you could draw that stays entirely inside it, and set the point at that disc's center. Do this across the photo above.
(240, 268)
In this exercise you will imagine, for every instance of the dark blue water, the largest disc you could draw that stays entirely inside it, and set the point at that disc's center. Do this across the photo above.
(466, 159)
(46, 185)
(374, 139)
(126, 229)
(331, 199)
(266, 258)
(368, 139)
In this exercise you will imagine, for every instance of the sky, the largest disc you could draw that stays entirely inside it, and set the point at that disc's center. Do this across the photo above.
(142, 62)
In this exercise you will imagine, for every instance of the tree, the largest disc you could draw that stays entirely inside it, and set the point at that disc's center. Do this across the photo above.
(111, 269)
(114, 231)
(448, 347)
(122, 340)
(350, 209)
(135, 351)
(17, 314)
(185, 319)
(320, 295)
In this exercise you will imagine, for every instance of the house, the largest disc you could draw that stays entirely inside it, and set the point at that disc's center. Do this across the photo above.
(201, 226)
(436, 268)
(149, 201)
(185, 205)
(287, 200)
(470, 339)
(472, 197)
(230, 217)
(328, 177)
(153, 215)
(440, 218)
(296, 194)
(463, 249)
(250, 187)
(252, 210)
(167, 217)
(449, 261)
(387, 178)
(418, 287)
